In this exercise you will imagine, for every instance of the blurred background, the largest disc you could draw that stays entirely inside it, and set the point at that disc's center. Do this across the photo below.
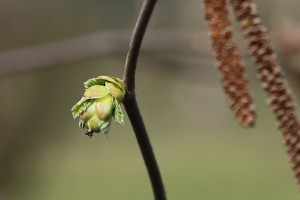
(49, 48)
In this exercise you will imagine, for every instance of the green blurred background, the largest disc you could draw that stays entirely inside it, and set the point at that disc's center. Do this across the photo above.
(49, 48)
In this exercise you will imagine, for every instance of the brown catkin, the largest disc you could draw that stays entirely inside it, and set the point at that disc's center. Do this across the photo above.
(269, 73)
(228, 61)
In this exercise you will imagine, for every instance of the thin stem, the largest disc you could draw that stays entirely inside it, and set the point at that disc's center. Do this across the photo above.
(130, 102)
(135, 43)
(140, 131)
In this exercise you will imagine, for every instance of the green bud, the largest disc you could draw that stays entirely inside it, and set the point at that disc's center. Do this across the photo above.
(99, 104)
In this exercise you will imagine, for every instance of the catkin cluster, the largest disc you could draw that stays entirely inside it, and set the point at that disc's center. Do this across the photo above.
(233, 80)
(269, 72)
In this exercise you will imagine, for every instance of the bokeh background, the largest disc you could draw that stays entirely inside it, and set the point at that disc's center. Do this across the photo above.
(49, 48)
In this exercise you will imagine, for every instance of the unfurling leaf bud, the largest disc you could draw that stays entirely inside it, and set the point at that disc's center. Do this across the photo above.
(99, 104)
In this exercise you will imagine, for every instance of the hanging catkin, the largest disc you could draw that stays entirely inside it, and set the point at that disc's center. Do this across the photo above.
(269, 73)
(228, 62)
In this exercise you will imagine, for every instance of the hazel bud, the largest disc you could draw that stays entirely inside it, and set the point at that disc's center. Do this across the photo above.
(99, 104)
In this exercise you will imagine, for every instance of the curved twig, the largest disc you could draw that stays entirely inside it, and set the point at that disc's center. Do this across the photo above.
(130, 102)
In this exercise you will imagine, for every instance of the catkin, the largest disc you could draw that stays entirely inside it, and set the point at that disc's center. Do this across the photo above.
(270, 75)
(233, 80)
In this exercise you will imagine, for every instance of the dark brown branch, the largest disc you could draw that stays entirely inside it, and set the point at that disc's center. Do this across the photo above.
(130, 102)
(135, 44)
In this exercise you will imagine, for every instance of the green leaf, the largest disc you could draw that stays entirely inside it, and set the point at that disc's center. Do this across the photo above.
(117, 113)
(115, 91)
(101, 80)
(93, 81)
(81, 124)
(108, 79)
(93, 125)
(116, 81)
(104, 107)
(95, 92)
(105, 128)
(120, 84)
(81, 106)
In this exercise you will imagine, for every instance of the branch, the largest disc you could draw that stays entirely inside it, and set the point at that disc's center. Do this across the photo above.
(130, 102)
(135, 43)
(83, 47)
(187, 42)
